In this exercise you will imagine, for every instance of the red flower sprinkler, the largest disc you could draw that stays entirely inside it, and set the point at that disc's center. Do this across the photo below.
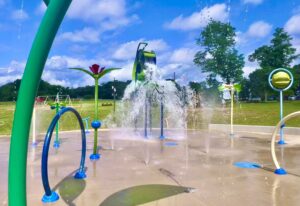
(97, 72)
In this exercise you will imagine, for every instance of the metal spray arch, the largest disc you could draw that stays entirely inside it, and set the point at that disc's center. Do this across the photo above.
(56, 10)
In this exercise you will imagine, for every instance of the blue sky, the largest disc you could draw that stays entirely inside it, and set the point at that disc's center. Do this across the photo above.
(107, 32)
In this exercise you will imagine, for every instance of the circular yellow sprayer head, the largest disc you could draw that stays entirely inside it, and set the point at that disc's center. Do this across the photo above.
(281, 80)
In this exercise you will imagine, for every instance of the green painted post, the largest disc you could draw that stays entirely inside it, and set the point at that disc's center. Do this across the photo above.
(96, 115)
(115, 93)
(31, 78)
(57, 106)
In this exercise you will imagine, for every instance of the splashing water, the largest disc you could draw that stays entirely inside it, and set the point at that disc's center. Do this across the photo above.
(138, 114)
(20, 21)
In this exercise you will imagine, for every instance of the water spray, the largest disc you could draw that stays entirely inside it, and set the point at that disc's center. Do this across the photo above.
(57, 105)
(139, 74)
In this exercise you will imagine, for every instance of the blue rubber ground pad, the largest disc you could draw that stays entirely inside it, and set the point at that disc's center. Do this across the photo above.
(171, 144)
(250, 165)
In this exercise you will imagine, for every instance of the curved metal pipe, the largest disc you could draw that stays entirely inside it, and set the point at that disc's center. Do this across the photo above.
(47, 142)
(30, 82)
(278, 126)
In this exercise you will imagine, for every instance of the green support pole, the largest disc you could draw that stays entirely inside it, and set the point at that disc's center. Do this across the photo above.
(114, 103)
(96, 116)
(31, 78)
(114, 92)
(231, 112)
(57, 125)
(56, 142)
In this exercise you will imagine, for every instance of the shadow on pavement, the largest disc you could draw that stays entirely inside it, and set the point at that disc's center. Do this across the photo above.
(142, 194)
(70, 188)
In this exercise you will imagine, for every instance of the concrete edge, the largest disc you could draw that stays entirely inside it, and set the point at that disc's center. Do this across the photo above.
(252, 129)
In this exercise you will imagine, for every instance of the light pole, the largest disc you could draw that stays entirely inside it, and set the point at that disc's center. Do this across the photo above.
(114, 90)
(162, 136)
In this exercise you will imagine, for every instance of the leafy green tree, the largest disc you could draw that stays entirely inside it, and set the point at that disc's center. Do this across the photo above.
(8, 92)
(280, 53)
(259, 85)
(295, 70)
(245, 85)
(197, 86)
(219, 56)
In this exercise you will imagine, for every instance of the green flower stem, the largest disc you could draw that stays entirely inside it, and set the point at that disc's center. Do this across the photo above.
(231, 111)
(96, 115)
(57, 106)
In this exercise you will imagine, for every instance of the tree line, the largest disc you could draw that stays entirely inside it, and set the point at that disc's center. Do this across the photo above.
(9, 92)
(222, 62)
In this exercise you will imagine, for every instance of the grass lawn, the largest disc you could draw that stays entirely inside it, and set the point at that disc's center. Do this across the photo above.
(244, 113)
(266, 114)
(44, 115)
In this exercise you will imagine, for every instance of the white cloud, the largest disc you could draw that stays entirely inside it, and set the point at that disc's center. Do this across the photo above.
(41, 8)
(57, 72)
(19, 15)
(296, 44)
(200, 19)
(63, 62)
(249, 69)
(127, 51)
(240, 38)
(293, 25)
(123, 74)
(110, 14)
(249, 66)
(12, 72)
(259, 29)
(100, 15)
(90, 10)
(256, 32)
(184, 72)
(53, 79)
(8, 78)
(254, 2)
(86, 35)
(183, 55)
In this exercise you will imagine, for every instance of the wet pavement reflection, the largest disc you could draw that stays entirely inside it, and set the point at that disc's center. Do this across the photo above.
(198, 170)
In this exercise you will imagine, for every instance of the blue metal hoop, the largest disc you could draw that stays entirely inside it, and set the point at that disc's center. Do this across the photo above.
(81, 171)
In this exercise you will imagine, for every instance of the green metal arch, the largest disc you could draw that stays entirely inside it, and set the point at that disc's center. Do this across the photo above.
(30, 81)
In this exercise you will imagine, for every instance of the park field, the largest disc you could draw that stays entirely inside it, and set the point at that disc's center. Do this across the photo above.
(44, 115)
(266, 114)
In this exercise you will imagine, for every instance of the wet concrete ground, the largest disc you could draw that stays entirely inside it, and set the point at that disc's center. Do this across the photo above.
(198, 171)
